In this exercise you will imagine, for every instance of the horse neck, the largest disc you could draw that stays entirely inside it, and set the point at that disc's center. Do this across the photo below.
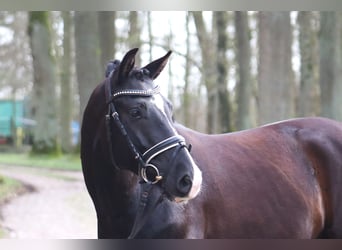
(126, 181)
(188, 133)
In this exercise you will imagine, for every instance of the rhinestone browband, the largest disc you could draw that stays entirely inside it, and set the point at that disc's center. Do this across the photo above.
(134, 92)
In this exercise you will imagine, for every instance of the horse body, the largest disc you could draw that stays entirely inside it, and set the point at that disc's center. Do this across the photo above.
(281, 180)
(276, 181)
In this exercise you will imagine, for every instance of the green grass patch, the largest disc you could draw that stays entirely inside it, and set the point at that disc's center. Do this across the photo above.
(8, 188)
(66, 162)
(2, 233)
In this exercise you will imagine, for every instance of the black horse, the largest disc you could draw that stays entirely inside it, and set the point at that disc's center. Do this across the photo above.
(115, 150)
(282, 180)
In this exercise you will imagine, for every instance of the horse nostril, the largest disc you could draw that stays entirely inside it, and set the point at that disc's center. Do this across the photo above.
(184, 185)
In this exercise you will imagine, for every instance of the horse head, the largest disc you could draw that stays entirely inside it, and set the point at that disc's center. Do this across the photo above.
(142, 134)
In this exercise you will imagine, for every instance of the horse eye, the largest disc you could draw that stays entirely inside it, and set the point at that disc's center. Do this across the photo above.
(135, 113)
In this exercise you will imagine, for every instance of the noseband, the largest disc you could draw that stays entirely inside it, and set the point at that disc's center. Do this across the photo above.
(148, 172)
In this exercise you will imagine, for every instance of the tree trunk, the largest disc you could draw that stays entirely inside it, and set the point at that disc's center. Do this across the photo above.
(275, 76)
(150, 36)
(44, 87)
(214, 68)
(209, 71)
(66, 89)
(331, 65)
(224, 109)
(186, 94)
(134, 34)
(88, 69)
(107, 36)
(171, 92)
(244, 85)
(308, 95)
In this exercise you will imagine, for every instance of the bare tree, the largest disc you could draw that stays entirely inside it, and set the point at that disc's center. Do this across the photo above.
(107, 36)
(208, 56)
(275, 76)
(186, 93)
(224, 109)
(44, 101)
(243, 56)
(134, 33)
(87, 48)
(330, 64)
(14, 52)
(308, 94)
(150, 35)
(66, 87)
(214, 68)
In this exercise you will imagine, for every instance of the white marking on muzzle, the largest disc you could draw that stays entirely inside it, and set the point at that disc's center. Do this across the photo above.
(196, 184)
(197, 178)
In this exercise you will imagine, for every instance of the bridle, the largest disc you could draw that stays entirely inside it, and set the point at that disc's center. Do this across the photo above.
(148, 172)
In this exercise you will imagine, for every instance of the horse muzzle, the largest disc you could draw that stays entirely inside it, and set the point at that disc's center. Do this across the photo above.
(189, 188)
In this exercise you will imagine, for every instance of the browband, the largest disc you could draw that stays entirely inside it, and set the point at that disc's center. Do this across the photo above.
(134, 92)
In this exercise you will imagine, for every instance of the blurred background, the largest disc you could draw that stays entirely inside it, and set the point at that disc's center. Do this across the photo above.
(229, 71)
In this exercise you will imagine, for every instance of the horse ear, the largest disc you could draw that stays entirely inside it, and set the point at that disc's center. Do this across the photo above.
(157, 66)
(127, 63)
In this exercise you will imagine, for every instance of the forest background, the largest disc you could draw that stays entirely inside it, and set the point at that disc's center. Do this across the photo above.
(229, 70)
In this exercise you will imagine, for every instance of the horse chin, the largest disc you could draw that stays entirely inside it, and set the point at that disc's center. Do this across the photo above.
(176, 199)
(181, 200)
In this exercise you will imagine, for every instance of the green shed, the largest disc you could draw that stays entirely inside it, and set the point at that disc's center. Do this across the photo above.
(11, 117)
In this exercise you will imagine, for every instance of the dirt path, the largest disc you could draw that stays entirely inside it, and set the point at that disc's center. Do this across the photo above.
(59, 208)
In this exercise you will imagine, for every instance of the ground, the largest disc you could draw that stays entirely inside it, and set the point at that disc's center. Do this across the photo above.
(59, 206)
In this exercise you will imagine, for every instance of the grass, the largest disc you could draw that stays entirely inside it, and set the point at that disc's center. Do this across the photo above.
(8, 188)
(66, 162)
(2, 233)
